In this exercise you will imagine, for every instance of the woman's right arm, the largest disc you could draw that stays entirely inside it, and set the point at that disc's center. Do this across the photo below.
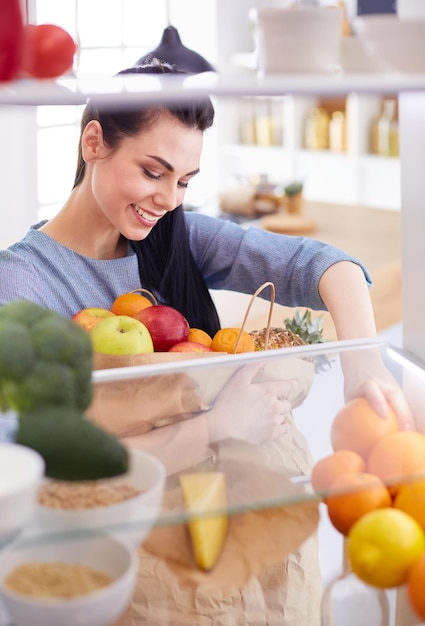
(249, 411)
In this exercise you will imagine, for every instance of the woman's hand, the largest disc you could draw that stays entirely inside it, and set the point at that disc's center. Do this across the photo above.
(251, 412)
(365, 374)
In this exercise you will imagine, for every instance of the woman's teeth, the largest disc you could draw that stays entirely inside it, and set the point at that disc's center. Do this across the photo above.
(143, 214)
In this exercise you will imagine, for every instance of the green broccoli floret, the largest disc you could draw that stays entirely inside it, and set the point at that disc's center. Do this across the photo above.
(45, 359)
(16, 350)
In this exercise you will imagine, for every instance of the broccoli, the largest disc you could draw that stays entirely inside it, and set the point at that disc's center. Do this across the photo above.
(45, 359)
(46, 363)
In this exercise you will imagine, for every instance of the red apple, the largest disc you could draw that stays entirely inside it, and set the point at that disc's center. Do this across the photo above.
(166, 325)
(90, 317)
(189, 346)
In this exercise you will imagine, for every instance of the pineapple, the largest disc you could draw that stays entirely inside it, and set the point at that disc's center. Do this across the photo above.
(278, 338)
(298, 331)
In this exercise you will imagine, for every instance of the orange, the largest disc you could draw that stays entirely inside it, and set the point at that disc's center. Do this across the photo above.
(396, 456)
(130, 304)
(410, 498)
(330, 467)
(357, 426)
(225, 340)
(199, 336)
(415, 586)
(354, 496)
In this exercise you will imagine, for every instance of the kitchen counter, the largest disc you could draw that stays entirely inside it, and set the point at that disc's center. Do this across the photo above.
(372, 235)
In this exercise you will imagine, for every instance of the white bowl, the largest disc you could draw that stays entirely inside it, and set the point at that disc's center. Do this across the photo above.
(109, 554)
(398, 43)
(21, 473)
(298, 39)
(131, 519)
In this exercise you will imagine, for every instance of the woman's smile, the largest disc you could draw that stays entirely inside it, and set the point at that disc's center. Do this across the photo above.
(146, 217)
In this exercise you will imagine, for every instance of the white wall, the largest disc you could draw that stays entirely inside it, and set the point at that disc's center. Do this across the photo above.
(18, 193)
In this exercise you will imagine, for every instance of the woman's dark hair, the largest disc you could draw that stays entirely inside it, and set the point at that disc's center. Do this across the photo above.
(166, 264)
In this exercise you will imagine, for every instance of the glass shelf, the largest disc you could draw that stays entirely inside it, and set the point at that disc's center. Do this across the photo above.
(130, 89)
(260, 476)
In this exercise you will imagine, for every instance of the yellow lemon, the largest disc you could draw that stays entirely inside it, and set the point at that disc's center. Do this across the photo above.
(383, 546)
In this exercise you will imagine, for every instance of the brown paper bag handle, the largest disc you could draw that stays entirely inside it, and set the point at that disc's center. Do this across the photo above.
(147, 293)
(248, 310)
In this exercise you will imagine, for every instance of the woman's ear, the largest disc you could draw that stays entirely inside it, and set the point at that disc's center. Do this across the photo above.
(91, 141)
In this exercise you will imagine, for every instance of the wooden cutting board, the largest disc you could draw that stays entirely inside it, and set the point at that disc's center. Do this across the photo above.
(289, 224)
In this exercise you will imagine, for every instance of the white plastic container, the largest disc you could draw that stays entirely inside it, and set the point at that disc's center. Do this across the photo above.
(21, 473)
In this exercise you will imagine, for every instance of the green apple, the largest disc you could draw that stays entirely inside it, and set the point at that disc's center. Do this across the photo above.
(90, 317)
(121, 334)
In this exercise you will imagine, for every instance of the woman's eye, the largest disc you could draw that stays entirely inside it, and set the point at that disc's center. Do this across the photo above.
(150, 175)
(183, 185)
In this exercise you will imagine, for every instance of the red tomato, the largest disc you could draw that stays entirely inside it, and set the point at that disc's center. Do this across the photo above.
(49, 51)
(11, 38)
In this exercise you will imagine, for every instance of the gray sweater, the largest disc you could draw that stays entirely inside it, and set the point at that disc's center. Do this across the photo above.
(230, 257)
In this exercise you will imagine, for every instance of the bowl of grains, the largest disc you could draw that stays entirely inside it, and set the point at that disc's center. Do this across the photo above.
(86, 579)
(126, 506)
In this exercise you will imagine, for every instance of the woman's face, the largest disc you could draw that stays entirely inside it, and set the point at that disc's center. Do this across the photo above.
(145, 177)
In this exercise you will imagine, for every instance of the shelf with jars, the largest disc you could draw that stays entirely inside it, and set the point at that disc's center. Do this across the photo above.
(311, 138)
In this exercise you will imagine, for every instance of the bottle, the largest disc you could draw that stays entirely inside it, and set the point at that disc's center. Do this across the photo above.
(11, 39)
(317, 129)
(337, 132)
(387, 131)
(347, 601)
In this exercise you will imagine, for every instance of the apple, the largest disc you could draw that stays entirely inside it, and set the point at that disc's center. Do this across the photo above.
(121, 334)
(90, 317)
(166, 325)
(189, 346)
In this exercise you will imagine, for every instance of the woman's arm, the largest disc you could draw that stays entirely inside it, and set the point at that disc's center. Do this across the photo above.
(249, 411)
(344, 291)
(346, 295)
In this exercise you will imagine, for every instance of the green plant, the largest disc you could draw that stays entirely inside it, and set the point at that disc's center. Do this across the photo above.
(293, 188)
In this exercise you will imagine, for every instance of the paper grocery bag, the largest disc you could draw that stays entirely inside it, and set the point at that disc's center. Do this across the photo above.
(135, 406)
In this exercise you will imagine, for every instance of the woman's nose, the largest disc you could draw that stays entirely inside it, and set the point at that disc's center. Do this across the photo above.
(166, 198)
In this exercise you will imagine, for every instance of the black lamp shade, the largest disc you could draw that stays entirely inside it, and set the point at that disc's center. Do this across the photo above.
(175, 53)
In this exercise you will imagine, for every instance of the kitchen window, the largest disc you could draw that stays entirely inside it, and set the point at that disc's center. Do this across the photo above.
(112, 35)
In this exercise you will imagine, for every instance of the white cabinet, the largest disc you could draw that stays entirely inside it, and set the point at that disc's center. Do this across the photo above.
(267, 136)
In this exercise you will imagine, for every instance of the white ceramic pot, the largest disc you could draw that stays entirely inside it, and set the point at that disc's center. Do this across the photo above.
(298, 39)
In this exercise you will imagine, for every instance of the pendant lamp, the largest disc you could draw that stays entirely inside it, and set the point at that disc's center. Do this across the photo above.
(175, 53)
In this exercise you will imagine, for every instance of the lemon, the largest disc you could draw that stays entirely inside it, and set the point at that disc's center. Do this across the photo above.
(383, 546)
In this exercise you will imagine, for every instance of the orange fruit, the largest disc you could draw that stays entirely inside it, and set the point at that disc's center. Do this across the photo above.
(328, 468)
(410, 498)
(130, 304)
(415, 586)
(398, 456)
(357, 426)
(199, 336)
(225, 340)
(354, 495)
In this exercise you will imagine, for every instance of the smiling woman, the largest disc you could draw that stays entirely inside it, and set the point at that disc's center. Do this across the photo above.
(125, 36)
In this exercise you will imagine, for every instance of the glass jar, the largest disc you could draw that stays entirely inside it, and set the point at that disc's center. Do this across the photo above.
(337, 132)
(385, 133)
(317, 129)
(347, 601)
